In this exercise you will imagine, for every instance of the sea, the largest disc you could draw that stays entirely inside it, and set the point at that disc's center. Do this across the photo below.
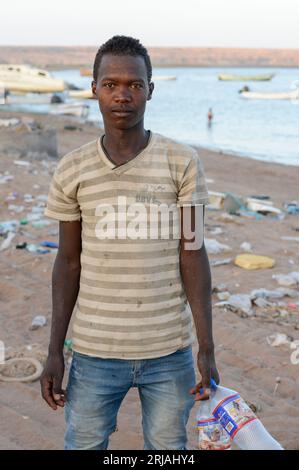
(266, 130)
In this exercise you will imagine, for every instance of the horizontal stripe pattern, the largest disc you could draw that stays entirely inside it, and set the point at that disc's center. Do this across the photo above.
(132, 302)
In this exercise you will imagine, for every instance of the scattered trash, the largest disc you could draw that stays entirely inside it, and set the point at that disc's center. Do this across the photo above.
(71, 128)
(15, 208)
(220, 262)
(5, 178)
(245, 246)
(68, 344)
(250, 261)
(251, 214)
(41, 223)
(261, 302)
(38, 322)
(36, 249)
(261, 197)
(272, 294)
(49, 244)
(292, 207)
(6, 243)
(8, 226)
(21, 369)
(21, 246)
(23, 222)
(278, 339)
(238, 303)
(223, 295)
(224, 217)
(42, 197)
(219, 288)
(216, 231)
(233, 203)
(264, 208)
(28, 198)
(288, 280)
(9, 122)
(214, 247)
(216, 200)
(294, 239)
(277, 382)
(21, 163)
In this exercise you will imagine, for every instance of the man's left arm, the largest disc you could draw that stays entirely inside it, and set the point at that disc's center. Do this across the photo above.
(196, 276)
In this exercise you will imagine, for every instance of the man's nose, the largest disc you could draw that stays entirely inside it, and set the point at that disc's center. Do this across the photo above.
(123, 95)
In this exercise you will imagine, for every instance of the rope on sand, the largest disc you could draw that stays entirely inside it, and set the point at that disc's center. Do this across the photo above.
(12, 370)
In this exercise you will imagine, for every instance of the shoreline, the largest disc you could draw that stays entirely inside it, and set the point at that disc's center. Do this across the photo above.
(225, 153)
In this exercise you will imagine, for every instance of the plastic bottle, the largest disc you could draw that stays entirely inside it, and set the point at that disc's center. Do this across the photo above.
(239, 421)
(211, 435)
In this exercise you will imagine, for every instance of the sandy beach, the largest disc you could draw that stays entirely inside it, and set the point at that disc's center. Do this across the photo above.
(246, 360)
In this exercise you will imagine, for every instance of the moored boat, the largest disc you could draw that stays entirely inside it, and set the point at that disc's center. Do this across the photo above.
(23, 78)
(286, 95)
(245, 78)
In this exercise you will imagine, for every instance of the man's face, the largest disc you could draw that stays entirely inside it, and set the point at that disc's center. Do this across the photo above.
(122, 90)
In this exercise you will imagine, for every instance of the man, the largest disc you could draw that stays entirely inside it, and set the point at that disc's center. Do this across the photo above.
(210, 117)
(133, 323)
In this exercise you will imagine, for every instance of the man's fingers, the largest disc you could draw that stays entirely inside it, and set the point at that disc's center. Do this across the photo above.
(46, 386)
(204, 394)
(59, 398)
(58, 393)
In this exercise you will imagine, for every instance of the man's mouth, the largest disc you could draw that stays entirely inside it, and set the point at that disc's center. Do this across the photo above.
(121, 112)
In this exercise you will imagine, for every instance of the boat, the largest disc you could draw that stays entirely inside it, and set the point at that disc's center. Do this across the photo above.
(70, 109)
(24, 78)
(164, 77)
(286, 95)
(246, 78)
(81, 94)
(86, 72)
(29, 98)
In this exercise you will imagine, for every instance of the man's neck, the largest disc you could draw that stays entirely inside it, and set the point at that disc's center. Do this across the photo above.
(122, 145)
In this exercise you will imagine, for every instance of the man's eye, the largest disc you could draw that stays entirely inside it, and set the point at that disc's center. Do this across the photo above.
(109, 85)
(136, 85)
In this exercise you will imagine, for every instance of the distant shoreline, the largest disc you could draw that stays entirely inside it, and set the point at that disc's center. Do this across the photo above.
(161, 66)
(57, 57)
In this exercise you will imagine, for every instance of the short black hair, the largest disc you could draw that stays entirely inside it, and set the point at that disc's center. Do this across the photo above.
(122, 45)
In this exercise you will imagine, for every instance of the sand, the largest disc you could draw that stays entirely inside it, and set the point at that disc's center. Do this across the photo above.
(246, 362)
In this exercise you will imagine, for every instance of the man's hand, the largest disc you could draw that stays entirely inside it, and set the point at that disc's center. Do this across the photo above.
(207, 367)
(51, 381)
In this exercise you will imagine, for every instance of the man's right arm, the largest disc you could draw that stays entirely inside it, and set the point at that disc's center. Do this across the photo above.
(65, 288)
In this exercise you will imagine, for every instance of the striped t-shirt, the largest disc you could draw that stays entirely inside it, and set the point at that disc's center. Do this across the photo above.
(131, 302)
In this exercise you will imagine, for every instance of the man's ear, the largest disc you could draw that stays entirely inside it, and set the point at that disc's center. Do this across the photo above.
(93, 88)
(151, 89)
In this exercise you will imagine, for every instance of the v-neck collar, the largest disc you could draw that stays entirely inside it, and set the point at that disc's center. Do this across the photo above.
(117, 169)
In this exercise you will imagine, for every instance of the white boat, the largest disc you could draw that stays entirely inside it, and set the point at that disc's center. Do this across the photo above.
(29, 98)
(23, 78)
(70, 109)
(246, 78)
(81, 94)
(164, 77)
(287, 95)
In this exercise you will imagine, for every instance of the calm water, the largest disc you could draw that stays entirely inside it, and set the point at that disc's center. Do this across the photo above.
(262, 129)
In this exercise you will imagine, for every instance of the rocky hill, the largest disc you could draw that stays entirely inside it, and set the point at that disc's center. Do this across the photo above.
(83, 56)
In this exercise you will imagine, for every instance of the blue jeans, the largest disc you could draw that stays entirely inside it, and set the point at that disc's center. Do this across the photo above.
(97, 387)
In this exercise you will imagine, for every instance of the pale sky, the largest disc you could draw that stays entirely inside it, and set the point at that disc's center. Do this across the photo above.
(206, 23)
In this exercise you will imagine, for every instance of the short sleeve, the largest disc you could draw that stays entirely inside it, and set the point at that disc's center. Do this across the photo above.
(193, 188)
(62, 203)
